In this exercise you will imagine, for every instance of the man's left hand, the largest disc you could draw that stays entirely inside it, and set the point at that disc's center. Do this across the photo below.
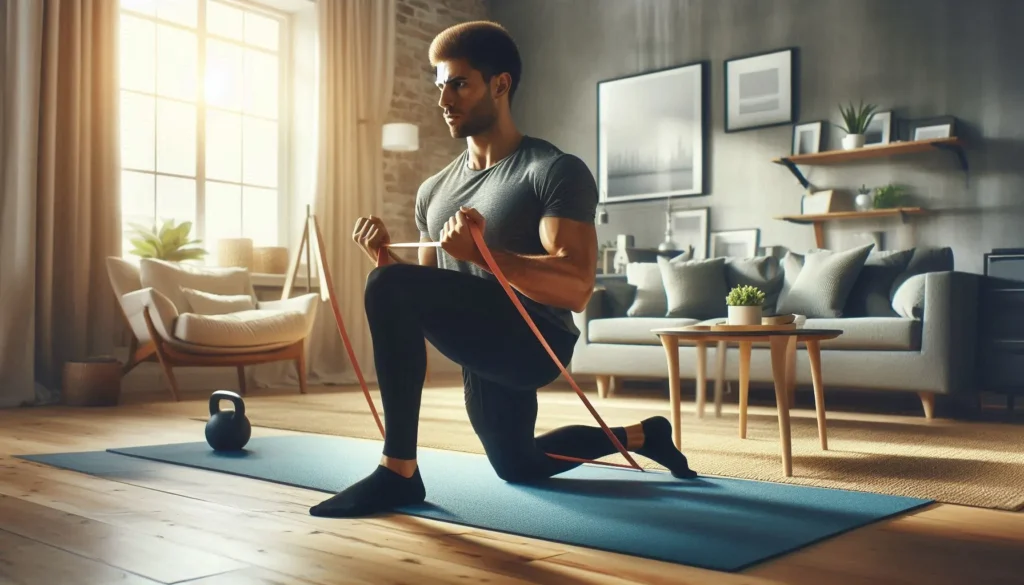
(457, 240)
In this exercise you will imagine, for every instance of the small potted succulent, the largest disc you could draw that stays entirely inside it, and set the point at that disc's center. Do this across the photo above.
(856, 122)
(745, 304)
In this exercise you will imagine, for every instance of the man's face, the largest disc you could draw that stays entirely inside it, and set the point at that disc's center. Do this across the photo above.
(468, 103)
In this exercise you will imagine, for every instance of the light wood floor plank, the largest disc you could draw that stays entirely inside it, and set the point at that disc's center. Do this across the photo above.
(24, 561)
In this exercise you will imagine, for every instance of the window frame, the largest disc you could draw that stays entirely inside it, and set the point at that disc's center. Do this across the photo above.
(284, 117)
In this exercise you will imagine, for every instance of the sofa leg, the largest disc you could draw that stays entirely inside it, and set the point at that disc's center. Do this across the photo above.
(928, 402)
(603, 385)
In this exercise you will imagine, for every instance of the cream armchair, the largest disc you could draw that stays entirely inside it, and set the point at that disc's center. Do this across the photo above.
(183, 315)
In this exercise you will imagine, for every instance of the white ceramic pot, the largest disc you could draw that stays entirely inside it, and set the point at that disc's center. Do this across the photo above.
(852, 141)
(745, 315)
(864, 202)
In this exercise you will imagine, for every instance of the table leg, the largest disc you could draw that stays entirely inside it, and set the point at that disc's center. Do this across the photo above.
(814, 353)
(702, 377)
(671, 345)
(779, 346)
(720, 377)
(791, 371)
(745, 348)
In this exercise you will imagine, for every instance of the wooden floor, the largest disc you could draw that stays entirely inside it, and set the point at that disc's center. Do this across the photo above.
(182, 525)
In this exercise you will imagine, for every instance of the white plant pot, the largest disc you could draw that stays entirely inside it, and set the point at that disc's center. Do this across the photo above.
(852, 141)
(745, 315)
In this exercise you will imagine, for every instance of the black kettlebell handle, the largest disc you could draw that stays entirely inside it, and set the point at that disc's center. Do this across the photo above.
(235, 399)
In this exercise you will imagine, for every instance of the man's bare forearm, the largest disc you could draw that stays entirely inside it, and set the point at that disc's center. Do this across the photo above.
(548, 279)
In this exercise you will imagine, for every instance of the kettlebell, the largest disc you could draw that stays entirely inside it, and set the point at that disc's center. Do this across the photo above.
(227, 430)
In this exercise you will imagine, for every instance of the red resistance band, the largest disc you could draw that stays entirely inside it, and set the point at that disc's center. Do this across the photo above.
(382, 259)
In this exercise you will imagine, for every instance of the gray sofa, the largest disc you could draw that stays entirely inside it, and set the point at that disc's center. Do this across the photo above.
(908, 320)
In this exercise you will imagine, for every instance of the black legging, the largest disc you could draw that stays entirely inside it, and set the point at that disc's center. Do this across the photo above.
(472, 321)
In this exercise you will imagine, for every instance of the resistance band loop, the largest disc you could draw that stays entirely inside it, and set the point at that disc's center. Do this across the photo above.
(382, 259)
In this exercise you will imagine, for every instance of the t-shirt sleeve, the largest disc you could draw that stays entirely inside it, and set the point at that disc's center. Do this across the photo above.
(422, 198)
(568, 190)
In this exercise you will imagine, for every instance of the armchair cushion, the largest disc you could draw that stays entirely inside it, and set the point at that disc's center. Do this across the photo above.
(205, 303)
(168, 278)
(241, 329)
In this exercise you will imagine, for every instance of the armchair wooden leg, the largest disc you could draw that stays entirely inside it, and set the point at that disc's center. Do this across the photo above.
(241, 380)
(300, 365)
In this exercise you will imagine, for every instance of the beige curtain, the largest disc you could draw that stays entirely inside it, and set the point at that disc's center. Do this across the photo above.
(356, 71)
(73, 192)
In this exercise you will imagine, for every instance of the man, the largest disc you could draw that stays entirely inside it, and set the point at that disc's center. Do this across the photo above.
(535, 206)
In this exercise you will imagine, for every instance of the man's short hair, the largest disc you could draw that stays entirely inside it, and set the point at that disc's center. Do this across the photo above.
(486, 45)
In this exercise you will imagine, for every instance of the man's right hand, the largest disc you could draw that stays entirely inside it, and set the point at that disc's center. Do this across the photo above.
(370, 234)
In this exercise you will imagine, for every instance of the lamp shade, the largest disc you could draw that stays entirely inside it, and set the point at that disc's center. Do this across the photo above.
(401, 137)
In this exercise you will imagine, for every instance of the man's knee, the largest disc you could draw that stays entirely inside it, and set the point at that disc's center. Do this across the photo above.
(383, 281)
(515, 472)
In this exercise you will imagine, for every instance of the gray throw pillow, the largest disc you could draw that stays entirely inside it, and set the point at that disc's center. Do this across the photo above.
(908, 299)
(695, 289)
(823, 284)
(925, 259)
(618, 297)
(871, 293)
(762, 271)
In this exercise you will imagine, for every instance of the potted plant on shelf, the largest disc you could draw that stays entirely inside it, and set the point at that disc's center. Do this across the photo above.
(170, 242)
(863, 200)
(745, 304)
(890, 196)
(855, 124)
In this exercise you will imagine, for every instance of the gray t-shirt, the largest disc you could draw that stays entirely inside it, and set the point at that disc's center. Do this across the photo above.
(536, 180)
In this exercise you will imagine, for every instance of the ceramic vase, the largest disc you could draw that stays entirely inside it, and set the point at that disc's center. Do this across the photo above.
(852, 141)
(745, 315)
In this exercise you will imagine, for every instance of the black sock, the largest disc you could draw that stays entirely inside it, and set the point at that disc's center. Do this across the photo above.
(659, 448)
(381, 491)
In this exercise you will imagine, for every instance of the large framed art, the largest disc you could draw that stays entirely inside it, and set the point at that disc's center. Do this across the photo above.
(652, 134)
(761, 90)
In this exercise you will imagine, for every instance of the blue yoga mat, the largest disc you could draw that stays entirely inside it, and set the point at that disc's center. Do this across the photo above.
(716, 523)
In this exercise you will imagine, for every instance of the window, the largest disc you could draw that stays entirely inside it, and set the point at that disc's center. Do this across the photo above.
(202, 110)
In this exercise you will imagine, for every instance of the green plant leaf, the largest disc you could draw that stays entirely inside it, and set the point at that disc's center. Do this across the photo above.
(745, 296)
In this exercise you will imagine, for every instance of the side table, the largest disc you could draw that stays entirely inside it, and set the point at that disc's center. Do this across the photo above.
(779, 340)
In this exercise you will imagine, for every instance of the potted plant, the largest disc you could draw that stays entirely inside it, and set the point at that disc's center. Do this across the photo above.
(745, 304)
(890, 196)
(863, 200)
(856, 122)
(170, 242)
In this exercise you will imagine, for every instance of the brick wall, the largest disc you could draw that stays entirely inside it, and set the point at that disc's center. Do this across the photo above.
(415, 101)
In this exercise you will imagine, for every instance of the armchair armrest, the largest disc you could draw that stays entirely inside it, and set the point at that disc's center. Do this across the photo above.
(305, 304)
(161, 311)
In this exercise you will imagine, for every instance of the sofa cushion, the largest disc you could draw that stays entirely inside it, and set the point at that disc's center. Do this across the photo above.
(241, 329)
(871, 333)
(908, 300)
(823, 284)
(871, 293)
(764, 272)
(695, 288)
(925, 259)
(632, 330)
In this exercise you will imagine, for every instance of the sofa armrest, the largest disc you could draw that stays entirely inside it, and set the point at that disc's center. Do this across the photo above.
(161, 311)
(590, 312)
(949, 328)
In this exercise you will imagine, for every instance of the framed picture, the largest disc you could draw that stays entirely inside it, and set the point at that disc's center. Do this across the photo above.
(690, 230)
(879, 130)
(932, 128)
(652, 134)
(760, 90)
(735, 243)
(807, 138)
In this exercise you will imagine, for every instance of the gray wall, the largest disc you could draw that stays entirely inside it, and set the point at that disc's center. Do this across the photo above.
(919, 58)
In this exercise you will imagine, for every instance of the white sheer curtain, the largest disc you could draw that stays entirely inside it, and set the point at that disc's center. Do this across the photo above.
(356, 41)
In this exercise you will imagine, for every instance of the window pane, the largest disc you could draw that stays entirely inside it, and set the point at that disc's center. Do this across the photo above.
(138, 193)
(143, 6)
(224, 75)
(137, 54)
(223, 146)
(261, 31)
(180, 11)
(224, 213)
(259, 216)
(175, 199)
(177, 63)
(176, 137)
(224, 20)
(138, 131)
(259, 152)
(261, 86)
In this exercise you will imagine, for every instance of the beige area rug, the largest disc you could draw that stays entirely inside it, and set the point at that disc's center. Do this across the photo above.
(974, 464)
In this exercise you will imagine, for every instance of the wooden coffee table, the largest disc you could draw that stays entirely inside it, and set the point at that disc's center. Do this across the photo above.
(778, 339)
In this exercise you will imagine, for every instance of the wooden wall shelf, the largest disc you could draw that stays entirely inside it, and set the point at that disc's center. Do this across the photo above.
(819, 220)
(835, 157)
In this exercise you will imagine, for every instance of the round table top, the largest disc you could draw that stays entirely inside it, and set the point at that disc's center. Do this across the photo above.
(698, 333)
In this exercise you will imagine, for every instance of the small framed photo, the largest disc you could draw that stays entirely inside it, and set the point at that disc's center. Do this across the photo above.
(761, 90)
(735, 243)
(879, 130)
(932, 128)
(690, 230)
(807, 138)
